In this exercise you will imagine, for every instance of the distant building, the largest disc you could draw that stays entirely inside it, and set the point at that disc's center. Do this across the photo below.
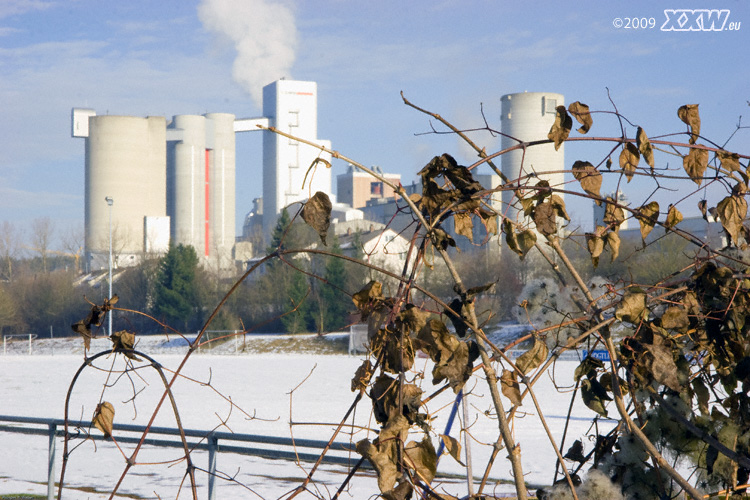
(291, 107)
(125, 179)
(176, 182)
(600, 210)
(357, 188)
(528, 116)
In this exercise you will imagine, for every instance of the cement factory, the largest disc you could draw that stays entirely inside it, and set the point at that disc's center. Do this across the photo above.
(150, 182)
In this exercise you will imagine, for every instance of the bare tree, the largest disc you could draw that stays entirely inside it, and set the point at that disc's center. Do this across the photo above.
(72, 244)
(11, 245)
(41, 237)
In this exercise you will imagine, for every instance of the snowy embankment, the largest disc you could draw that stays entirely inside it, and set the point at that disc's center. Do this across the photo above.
(272, 389)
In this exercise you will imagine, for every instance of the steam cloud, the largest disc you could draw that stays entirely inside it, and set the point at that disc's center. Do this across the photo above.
(265, 37)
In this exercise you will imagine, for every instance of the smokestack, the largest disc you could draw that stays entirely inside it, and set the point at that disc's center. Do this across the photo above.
(264, 35)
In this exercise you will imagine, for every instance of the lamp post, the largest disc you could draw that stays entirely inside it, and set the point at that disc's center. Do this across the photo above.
(110, 201)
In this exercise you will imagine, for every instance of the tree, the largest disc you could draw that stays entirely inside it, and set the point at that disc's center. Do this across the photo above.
(297, 291)
(8, 313)
(41, 237)
(175, 295)
(332, 304)
(11, 243)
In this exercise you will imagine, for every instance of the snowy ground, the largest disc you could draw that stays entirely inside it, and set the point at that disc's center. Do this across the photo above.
(274, 388)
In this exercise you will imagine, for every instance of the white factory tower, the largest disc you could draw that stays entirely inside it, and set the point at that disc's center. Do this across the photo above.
(528, 116)
(149, 182)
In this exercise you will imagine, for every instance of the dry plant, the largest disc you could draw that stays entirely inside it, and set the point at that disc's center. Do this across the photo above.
(679, 369)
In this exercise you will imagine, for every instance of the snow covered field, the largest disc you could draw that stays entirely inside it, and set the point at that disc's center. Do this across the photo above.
(261, 385)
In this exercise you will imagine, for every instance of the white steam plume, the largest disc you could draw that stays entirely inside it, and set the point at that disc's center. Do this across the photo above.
(264, 34)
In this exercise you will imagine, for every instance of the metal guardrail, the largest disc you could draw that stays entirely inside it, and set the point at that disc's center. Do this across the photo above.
(283, 448)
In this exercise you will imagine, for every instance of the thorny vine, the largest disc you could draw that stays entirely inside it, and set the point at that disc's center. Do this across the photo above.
(679, 357)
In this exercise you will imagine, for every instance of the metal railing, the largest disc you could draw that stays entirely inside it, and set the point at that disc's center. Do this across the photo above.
(283, 448)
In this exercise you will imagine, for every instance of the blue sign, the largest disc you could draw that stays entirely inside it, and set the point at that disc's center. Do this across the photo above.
(601, 355)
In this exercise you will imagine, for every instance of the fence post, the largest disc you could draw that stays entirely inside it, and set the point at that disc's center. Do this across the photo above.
(51, 466)
(213, 444)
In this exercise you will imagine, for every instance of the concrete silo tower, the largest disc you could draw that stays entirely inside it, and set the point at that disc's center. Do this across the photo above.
(201, 183)
(292, 107)
(125, 161)
(528, 116)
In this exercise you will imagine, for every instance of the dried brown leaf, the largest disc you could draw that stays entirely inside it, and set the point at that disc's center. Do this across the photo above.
(731, 212)
(371, 293)
(674, 217)
(124, 340)
(689, 114)
(594, 395)
(561, 128)
(629, 158)
(581, 113)
(575, 452)
(510, 387)
(545, 219)
(104, 417)
(81, 328)
(595, 245)
(663, 367)
(521, 242)
(453, 447)
(362, 376)
(695, 164)
(703, 207)
(644, 146)
(559, 205)
(648, 216)
(422, 458)
(632, 307)
(613, 242)
(589, 177)
(675, 318)
(463, 225)
(730, 161)
(613, 214)
(317, 214)
(532, 358)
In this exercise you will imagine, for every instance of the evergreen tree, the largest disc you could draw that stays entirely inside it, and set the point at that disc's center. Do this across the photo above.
(332, 304)
(277, 235)
(176, 294)
(298, 300)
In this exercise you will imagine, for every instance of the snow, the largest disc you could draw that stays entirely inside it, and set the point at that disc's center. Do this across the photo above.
(254, 393)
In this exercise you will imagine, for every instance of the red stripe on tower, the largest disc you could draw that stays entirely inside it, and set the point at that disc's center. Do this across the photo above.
(207, 243)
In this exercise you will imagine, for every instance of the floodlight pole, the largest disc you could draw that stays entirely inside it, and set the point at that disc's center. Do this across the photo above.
(110, 201)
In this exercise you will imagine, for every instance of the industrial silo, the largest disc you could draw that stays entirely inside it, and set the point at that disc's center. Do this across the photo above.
(528, 116)
(126, 162)
(220, 142)
(201, 183)
(187, 167)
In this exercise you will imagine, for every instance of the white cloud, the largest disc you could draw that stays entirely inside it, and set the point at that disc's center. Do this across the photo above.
(15, 7)
(264, 35)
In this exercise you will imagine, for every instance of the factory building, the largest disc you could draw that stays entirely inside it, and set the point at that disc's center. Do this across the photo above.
(201, 183)
(291, 107)
(528, 116)
(159, 182)
(125, 162)
(357, 188)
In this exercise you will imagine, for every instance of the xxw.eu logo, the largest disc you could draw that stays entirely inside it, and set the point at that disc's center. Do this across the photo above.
(697, 20)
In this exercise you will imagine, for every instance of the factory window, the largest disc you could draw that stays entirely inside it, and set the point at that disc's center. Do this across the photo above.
(376, 188)
(294, 118)
(548, 105)
(293, 126)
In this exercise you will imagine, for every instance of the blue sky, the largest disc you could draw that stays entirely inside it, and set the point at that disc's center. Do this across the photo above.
(453, 57)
